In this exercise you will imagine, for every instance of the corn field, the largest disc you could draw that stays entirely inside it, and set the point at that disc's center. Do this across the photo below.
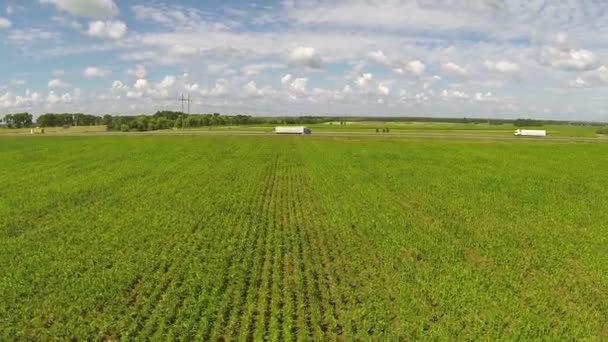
(302, 238)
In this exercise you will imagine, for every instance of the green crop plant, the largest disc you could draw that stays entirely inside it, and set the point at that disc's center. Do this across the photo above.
(284, 238)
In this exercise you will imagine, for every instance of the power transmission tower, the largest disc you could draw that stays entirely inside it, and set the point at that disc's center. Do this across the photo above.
(182, 99)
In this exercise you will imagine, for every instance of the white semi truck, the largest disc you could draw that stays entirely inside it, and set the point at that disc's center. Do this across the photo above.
(530, 133)
(292, 130)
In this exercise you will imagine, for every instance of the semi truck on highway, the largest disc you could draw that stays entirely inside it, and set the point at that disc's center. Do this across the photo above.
(530, 133)
(292, 130)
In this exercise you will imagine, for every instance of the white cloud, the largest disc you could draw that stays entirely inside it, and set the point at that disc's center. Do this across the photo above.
(251, 89)
(503, 66)
(26, 101)
(96, 72)
(220, 89)
(363, 80)
(167, 82)
(107, 29)
(453, 69)
(141, 84)
(454, 94)
(485, 97)
(5, 23)
(567, 59)
(378, 57)
(94, 9)
(296, 87)
(415, 67)
(139, 71)
(306, 57)
(383, 89)
(57, 83)
(578, 83)
(180, 50)
(601, 73)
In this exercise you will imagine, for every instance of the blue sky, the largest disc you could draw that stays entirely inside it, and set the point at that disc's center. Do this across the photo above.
(477, 58)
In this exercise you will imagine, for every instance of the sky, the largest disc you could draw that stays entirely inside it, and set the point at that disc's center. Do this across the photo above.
(445, 58)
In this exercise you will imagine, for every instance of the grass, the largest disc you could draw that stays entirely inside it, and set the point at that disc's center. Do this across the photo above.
(282, 238)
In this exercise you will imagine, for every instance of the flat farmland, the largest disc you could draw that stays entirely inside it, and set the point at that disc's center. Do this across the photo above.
(302, 238)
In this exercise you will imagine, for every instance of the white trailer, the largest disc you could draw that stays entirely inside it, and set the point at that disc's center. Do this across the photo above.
(530, 133)
(292, 130)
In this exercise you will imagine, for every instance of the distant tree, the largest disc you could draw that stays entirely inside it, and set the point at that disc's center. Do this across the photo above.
(602, 130)
(8, 119)
(527, 123)
(20, 120)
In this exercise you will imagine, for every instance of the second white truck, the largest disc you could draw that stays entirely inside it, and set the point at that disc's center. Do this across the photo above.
(530, 133)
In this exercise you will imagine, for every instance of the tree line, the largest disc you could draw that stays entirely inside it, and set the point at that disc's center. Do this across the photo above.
(169, 119)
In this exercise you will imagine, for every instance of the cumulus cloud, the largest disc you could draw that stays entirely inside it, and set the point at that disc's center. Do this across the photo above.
(181, 50)
(5, 23)
(54, 98)
(220, 89)
(141, 84)
(578, 83)
(297, 87)
(139, 71)
(94, 9)
(378, 57)
(567, 59)
(571, 59)
(363, 80)
(454, 94)
(453, 69)
(57, 83)
(91, 72)
(414, 67)
(27, 100)
(368, 85)
(305, 57)
(251, 89)
(503, 66)
(561, 52)
(107, 29)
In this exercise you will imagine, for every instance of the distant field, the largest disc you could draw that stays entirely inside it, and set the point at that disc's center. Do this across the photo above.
(367, 127)
(284, 238)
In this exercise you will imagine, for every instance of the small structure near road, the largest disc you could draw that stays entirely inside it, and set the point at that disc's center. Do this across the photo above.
(37, 130)
(530, 133)
(292, 130)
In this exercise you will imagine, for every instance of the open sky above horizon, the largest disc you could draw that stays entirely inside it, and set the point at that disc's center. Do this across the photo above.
(449, 58)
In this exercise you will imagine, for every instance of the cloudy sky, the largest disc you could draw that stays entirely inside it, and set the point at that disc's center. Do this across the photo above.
(457, 58)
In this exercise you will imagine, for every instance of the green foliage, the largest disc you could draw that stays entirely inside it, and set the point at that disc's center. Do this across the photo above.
(527, 123)
(254, 238)
(19, 120)
(602, 130)
(62, 120)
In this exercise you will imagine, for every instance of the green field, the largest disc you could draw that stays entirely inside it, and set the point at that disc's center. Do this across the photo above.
(369, 127)
(307, 238)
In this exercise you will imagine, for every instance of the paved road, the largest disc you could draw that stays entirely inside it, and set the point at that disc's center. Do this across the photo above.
(329, 134)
